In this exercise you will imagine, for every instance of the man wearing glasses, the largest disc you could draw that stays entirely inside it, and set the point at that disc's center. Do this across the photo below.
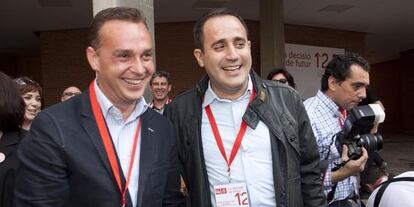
(70, 92)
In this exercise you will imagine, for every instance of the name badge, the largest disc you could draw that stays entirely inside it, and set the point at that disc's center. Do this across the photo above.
(231, 195)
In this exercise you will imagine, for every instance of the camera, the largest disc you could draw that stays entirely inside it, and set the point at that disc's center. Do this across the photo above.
(356, 130)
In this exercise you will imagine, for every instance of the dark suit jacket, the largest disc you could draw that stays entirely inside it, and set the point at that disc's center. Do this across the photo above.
(64, 163)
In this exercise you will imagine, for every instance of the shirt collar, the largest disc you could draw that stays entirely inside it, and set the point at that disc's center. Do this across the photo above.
(329, 103)
(210, 96)
(107, 106)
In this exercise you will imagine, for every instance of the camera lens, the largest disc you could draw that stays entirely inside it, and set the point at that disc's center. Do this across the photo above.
(371, 142)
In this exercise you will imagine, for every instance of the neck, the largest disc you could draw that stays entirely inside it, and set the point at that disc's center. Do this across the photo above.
(160, 103)
(330, 94)
(230, 94)
(126, 109)
(26, 125)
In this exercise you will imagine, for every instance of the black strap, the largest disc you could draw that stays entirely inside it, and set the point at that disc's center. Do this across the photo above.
(384, 185)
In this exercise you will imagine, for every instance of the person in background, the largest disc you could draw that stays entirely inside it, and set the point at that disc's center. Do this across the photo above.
(160, 87)
(283, 76)
(12, 109)
(70, 92)
(31, 93)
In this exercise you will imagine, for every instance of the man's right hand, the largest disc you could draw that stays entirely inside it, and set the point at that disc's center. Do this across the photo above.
(352, 167)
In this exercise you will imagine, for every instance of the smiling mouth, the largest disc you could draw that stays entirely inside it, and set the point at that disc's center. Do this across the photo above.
(231, 68)
(32, 110)
(132, 81)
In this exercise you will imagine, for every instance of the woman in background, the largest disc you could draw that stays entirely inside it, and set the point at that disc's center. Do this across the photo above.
(12, 109)
(31, 93)
(283, 76)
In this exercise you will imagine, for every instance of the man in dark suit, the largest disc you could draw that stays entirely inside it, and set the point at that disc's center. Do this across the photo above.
(105, 147)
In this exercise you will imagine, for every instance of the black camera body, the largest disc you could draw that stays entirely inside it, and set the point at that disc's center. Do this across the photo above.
(356, 130)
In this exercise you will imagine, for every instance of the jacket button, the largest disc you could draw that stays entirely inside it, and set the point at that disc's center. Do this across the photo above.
(292, 138)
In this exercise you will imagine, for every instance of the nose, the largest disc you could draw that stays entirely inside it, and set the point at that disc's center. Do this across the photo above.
(138, 66)
(232, 53)
(35, 104)
(363, 93)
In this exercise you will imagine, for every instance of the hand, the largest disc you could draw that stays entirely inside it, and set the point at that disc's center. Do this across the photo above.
(351, 167)
(354, 166)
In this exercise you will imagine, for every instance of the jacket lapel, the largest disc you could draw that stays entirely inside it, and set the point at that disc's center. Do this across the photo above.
(147, 152)
(89, 125)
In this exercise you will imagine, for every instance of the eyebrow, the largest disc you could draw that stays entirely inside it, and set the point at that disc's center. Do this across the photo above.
(360, 84)
(233, 40)
(151, 50)
(117, 52)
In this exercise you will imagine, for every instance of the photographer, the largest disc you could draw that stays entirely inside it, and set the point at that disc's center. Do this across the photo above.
(343, 86)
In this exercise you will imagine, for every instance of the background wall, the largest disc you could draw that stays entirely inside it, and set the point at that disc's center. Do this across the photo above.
(62, 62)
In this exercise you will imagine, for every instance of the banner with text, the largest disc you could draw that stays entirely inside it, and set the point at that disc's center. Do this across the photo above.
(307, 64)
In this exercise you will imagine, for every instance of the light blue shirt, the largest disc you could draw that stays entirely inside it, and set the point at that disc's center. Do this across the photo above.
(324, 118)
(253, 162)
(122, 134)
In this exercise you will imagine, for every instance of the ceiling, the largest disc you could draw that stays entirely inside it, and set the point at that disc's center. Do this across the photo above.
(389, 24)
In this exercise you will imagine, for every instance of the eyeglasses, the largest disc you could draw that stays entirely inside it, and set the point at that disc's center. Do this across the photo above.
(25, 81)
(71, 93)
(282, 81)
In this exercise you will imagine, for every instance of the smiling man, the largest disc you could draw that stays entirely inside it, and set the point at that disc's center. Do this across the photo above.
(343, 86)
(242, 141)
(105, 147)
(160, 87)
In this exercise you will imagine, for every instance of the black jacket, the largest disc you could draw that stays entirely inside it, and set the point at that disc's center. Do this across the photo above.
(9, 143)
(294, 150)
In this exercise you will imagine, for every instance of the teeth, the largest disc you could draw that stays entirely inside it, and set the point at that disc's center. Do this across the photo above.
(132, 81)
(232, 67)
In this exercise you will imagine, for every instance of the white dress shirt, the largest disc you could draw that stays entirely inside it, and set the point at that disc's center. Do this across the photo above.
(122, 134)
(253, 162)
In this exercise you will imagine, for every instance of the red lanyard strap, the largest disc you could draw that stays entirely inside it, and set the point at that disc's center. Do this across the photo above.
(343, 117)
(219, 140)
(109, 148)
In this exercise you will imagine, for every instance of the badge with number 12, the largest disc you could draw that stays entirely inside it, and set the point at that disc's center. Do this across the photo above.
(231, 195)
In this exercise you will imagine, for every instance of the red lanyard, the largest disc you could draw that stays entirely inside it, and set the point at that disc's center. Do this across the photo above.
(109, 148)
(343, 117)
(219, 141)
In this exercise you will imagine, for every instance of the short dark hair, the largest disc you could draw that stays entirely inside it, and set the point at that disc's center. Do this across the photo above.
(161, 73)
(26, 84)
(11, 105)
(198, 27)
(284, 72)
(340, 68)
(116, 13)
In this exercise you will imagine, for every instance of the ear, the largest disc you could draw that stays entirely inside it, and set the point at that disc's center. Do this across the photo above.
(198, 54)
(332, 83)
(249, 44)
(169, 88)
(93, 58)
